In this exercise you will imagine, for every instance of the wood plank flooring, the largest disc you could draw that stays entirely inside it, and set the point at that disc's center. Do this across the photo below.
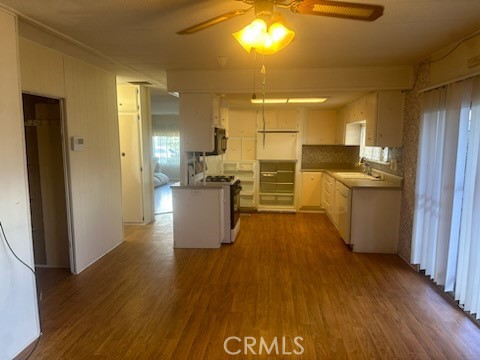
(286, 276)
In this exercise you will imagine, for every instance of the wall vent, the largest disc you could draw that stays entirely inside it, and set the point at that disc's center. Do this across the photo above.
(144, 83)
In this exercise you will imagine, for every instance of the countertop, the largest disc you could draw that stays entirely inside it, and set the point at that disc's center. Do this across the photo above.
(390, 182)
(198, 187)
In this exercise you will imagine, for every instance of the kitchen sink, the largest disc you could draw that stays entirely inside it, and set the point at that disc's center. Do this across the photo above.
(356, 175)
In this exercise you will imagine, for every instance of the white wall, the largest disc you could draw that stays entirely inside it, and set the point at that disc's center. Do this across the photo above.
(95, 181)
(454, 64)
(19, 323)
(91, 112)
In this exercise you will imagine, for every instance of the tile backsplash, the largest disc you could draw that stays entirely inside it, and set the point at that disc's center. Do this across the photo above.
(346, 157)
(329, 156)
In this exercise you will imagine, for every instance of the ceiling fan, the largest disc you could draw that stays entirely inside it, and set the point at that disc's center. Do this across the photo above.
(338, 9)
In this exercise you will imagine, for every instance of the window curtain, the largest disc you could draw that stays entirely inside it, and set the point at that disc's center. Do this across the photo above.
(447, 195)
(467, 290)
(166, 144)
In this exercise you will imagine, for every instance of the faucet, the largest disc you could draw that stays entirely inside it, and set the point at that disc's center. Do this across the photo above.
(366, 166)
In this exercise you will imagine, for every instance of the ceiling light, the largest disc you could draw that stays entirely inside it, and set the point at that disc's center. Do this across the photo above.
(306, 100)
(288, 100)
(263, 38)
(269, 101)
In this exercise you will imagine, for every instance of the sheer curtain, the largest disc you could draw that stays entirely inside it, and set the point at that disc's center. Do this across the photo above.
(467, 290)
(446, 207)
(166, 144)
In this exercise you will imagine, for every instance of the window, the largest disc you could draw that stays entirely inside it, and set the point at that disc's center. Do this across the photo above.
(445, 241)
(166, 150)
(374, 153)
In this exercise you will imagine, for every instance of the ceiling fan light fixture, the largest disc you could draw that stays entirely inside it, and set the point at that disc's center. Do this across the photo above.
(265, 40)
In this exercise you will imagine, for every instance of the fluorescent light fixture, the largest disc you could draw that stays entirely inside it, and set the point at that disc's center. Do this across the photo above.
(289, 100)
(269, 101)
(306, 100)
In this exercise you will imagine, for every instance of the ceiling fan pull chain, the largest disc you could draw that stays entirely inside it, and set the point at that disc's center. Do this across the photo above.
(263, 71)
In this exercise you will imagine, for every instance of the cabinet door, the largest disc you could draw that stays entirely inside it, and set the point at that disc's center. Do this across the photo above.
(371, 117)
(270, 119)
(196, 122)
(248, 149)
(216, 111)
(127, 96)
(224, 117)
(340, 131)
(390, 118)
(312, 189)
(321, 127)
(234, 149)
(242, 123)
(287, 119)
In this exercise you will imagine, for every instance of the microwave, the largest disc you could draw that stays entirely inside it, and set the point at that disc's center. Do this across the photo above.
(219, 141)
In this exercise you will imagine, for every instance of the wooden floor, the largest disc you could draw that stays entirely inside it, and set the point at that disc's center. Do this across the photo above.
(285, 276)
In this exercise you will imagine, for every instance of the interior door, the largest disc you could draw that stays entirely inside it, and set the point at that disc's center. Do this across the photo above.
(132, 194)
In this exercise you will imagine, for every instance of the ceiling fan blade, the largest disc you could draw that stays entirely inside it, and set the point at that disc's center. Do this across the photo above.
(213, 21)
(340, 9)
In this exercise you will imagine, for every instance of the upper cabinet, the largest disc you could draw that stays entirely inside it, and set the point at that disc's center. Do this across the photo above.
(384, 119)
(381, 113)
(321, 127)
(242, 123)
(278, 119)
(199, 114)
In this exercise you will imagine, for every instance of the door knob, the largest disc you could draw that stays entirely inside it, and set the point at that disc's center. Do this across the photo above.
(123, 154)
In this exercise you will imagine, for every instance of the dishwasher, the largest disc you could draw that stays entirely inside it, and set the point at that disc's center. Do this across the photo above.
(343, 200)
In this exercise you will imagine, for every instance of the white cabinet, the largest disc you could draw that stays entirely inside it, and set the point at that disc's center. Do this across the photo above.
(246, 171)
(312, 190)
(242, 123)
(241, 149)
(320, 127)
(284, 119)
(277, 146)
(328, 194)
(234, 149)
(342, 210)
(375, 220)
(248, 149)
(242, 134)
(199, 113)
(198, 216)
(340, 126)
(384, 119)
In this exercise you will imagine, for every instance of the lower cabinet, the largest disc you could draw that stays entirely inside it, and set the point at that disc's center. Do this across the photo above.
(311, 190)
(328, 194)
(375, 220)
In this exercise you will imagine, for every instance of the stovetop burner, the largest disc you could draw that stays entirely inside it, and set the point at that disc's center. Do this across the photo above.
(219, 178)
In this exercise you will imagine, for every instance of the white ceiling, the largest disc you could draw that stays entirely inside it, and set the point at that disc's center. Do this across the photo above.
(140, 36)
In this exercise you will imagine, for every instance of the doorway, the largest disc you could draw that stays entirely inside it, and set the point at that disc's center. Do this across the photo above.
(47, 182)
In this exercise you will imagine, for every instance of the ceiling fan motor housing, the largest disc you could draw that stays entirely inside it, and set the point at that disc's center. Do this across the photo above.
(263, 8)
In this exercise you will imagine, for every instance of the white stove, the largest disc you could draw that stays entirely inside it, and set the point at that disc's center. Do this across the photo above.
(232, 188)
